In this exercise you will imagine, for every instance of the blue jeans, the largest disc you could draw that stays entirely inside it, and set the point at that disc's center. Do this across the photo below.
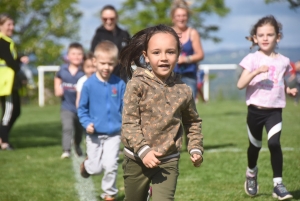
(190, 79)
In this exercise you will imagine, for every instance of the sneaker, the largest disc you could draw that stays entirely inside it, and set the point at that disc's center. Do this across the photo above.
(83, 171)
(78, 150)
(6, 146)
(281, 193)
(109, 198)
(66, 154)
(251, 186)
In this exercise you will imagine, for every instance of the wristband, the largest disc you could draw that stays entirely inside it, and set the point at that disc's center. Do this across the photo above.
(188, 59)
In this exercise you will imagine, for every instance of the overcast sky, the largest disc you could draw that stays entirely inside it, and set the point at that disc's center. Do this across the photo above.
(233, 28)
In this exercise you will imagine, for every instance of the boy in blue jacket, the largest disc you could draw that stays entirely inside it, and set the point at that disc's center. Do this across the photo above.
(100, 113)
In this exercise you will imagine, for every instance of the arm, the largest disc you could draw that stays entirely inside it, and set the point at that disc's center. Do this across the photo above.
(58, 90)
(6, 55)
(192, 124)
(197, 47)
(247, 76)
(83, 108)
(132, 136)
(77, 99)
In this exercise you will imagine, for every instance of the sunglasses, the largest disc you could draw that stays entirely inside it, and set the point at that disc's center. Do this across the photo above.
(107, 18)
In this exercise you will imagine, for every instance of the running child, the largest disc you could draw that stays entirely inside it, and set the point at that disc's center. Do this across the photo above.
(65, 87)
(88, 69)
(263, 78)
(100, 113)
(156, 101)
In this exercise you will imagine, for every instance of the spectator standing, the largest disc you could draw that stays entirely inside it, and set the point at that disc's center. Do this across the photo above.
(191, 50)
(109, 30)
(9, 80)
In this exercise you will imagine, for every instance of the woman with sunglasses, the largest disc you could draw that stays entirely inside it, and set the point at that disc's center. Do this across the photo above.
(110, 31)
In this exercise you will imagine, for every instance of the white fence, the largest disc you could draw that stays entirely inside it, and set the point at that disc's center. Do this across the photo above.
(41, 72)
(205, 67)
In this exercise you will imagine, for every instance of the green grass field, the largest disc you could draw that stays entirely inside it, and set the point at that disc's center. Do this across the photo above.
(34, 170)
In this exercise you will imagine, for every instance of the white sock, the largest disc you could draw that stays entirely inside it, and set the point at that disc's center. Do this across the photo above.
(251, 172)
(277, 180)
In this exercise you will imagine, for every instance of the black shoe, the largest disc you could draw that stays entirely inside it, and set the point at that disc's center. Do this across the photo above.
(251, 186)
(281, 193)
(78, 150)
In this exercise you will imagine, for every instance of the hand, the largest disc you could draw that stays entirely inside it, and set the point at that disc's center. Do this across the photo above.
(90, 128)
(292, 92)
(150, 160)
(196, 159)
(181, 59)
(263, 69)
(59, 91)
(24, 59)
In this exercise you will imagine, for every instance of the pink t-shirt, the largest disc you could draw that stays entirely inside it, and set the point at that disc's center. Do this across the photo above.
(266, 89)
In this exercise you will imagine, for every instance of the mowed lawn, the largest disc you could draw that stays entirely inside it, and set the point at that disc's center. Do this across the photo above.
(34, 170)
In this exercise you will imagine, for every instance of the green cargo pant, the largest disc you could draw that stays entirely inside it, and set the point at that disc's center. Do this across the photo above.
(137, 179)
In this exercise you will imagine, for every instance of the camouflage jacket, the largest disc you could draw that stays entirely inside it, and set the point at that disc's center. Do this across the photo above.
(152, 116)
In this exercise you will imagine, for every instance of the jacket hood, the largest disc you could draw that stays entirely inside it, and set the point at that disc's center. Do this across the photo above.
(144, 72)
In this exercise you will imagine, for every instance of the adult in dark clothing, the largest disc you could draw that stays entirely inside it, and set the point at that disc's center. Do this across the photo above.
(110, 31)
(9, 96)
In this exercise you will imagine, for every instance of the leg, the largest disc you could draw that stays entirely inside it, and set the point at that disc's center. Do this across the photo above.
(255, 123)
(78, 131)
(77, 135)
(164, 182)
(273, 127)
(67, 129)
(94, 146)
(136, 180)
(110, 158)
(11, 111)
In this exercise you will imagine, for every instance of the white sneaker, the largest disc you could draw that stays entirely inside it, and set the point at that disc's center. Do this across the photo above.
(66, 154)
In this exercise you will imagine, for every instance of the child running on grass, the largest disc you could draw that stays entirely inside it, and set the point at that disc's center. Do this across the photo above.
(100, 113)
(156, 101)
(88, 69)
(263, 76)
(65, 87)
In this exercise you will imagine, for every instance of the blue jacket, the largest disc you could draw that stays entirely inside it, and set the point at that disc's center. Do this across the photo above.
(101, 103)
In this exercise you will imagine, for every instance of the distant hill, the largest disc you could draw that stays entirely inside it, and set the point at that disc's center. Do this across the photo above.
(235, 56)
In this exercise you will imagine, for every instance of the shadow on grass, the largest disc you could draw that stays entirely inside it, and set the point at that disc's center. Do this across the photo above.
(36, 135)
(119, 198)
(219, 146)
(233, 113)
(296, 194)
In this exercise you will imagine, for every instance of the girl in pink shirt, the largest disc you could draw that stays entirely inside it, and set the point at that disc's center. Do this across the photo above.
(263, 78)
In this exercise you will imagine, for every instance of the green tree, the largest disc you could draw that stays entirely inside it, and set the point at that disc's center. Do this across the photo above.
(293, 3)
(41, 25)
(138, 14)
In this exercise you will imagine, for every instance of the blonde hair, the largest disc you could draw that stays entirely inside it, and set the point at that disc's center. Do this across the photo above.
(108, 48)
(180, 4)
(4, 17)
